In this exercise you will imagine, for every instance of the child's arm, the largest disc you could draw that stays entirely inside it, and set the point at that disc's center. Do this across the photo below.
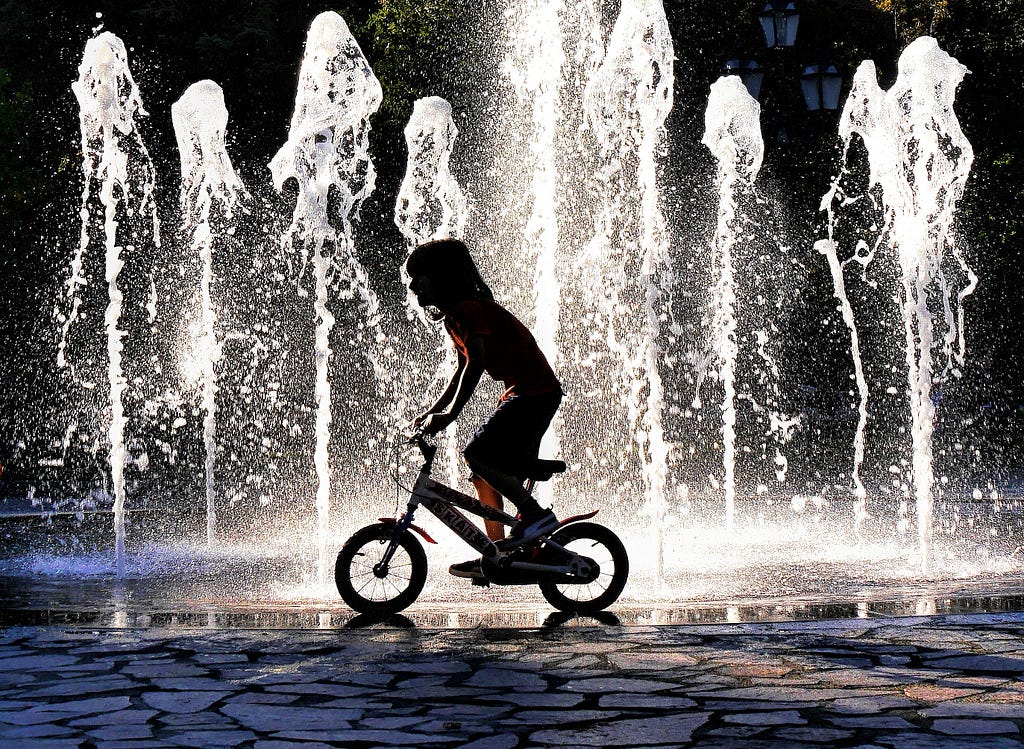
(459, 390)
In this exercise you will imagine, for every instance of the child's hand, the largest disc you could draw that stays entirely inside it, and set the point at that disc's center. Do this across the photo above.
(435, 423)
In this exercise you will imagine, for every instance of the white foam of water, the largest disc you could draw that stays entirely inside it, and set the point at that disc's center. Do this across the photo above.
(534, 67)
(627, 101)
(432, 205)
(920, 159)
(109, 102)
(210, 191)
(328, 147)
(733, 134)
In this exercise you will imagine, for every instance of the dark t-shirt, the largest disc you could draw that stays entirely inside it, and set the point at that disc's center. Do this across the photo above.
(511, 354)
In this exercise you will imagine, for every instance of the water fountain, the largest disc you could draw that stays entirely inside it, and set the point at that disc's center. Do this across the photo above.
(327, 154)
(601, 277)
(733, 134)
(210, 192)
(920, 161)
(119, 173)
(627, 100)
(431, 205)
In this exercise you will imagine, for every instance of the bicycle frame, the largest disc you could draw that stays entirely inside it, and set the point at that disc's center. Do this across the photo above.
(442, 501)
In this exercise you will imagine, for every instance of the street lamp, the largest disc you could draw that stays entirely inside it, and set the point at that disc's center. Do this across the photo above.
(821, 85)
(748, 71)
(779, 20)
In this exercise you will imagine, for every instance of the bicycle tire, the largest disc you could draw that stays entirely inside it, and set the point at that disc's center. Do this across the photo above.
(586, 539)
(365, 591)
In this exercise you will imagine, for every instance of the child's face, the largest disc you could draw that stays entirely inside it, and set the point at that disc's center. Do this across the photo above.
(423, 288)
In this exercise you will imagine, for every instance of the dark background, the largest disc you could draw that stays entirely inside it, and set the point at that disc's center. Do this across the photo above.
(252, 49)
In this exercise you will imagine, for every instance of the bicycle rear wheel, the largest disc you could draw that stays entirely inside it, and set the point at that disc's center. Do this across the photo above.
(368, 587)
(603, 547)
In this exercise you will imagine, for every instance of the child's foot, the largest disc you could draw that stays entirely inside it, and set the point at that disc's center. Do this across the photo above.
(471, 570)
(531, 526)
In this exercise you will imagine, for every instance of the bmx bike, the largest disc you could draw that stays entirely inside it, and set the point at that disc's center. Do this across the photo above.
(579, 566)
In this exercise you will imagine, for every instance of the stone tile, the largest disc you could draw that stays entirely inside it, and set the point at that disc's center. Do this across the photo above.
(36, 662)
(676, 729)
(493, 742)
(133, 715)
(123, 732)
(776, 718)
(535, 700)
(520, 681)
(603, 685)
(203, 739)
(816, 735)
(974, 727)
(645, 701)
(345, 736)
(887, 722)
(977, 663)
(1009, 711)
(182, 702)
(267, 718)
(935, 693)
(871, 705)
(658, 661)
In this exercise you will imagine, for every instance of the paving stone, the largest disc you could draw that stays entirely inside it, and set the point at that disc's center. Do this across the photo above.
(345, 735)
(278, 744)
(182, 702)
(122, 732)
(266, 718)
(816, 735)
(493, 742)
(973, 727)
(558, 717)
(873, 704)
(973, 709)
(36, 662)
(977, 663)
(659, 661)
(133, 715)
(624, 732)
(779, 717)
(507, 679)
(888, 722)
(645, 701)
(43, 730)
(603, 685)
(551, 699)
(205, 739)
(737, 731)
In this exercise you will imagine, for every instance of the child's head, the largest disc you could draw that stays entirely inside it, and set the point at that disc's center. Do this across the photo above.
(450, 272)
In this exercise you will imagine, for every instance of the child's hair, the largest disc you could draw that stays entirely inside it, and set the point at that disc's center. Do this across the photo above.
(450, 268)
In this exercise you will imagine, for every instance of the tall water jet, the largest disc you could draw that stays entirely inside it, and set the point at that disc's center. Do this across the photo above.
(627, 101)
(327, 154)
(920, 160)
(431, 205)
(534, 67)
(732, 131)
(210, 192)
(116, 164)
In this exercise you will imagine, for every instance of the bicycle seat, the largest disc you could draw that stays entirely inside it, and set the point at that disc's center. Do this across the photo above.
(542, 470)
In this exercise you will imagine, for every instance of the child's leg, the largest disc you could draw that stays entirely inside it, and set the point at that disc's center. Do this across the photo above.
(490, 497)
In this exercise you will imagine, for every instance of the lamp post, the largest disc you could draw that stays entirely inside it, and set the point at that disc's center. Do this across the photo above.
(779, 20)
(749, 72)
(821, 84)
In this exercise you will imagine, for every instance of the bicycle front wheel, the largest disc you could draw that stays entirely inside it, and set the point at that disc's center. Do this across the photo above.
(603, 547)
(370, 587)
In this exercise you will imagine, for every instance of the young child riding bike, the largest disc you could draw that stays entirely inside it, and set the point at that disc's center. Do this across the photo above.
(487, 338)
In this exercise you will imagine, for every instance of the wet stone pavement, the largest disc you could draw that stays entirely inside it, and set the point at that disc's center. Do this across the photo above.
(946, 681)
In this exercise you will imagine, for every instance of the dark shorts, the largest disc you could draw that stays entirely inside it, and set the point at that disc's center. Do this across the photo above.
(509, 439)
